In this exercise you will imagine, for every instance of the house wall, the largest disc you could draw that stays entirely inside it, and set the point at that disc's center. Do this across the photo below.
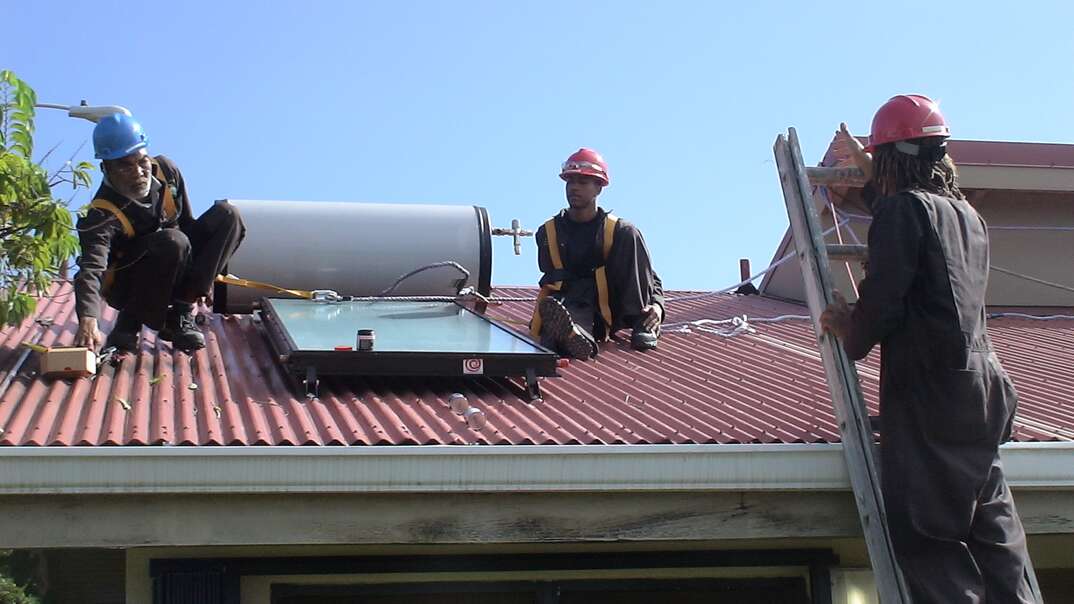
(179, 520)
(1043, 254)
(84, 576)
(1047, 255)
(156, 526)
(1053, 560)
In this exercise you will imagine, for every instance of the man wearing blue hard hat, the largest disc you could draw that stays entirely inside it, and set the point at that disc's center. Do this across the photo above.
(142, 250)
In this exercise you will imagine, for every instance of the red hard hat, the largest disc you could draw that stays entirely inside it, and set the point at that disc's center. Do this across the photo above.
(587, 162)
(905, 117)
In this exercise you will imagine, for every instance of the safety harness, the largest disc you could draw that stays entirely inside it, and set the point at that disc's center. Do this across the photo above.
(600, 273)
(171, 211)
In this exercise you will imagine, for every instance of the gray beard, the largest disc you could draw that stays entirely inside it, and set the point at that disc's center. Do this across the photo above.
(134, 193)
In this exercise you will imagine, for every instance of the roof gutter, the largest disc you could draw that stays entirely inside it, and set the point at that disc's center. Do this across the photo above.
(460, 469)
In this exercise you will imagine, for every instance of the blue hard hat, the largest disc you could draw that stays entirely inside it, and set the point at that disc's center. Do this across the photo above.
(118, 135)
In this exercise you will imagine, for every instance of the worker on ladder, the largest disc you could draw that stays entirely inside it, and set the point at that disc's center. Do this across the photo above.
(142, 250)
(597, 274)
(945, 402)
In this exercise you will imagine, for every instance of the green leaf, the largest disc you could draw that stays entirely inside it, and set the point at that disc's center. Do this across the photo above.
(20, 149)
(24, 98)
(19, 116)
(37, 226)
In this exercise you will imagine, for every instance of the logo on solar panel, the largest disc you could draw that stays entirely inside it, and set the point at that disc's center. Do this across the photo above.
(473, 367)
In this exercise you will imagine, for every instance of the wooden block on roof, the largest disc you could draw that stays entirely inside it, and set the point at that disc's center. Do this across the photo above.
(68, 362)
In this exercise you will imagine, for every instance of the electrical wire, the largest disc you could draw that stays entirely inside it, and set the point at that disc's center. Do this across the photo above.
(769, 268)
(1003, 227)
(1000, 269)
(839, 235)
(450, 263)
(1008, 271)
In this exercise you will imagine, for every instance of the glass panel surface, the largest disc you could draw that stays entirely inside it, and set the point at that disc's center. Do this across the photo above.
(398, 327)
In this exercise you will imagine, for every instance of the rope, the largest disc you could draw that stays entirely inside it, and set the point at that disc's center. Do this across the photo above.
(399, 298)
(742, 324)
(1022, 315)
(839, 235)
(778, 319)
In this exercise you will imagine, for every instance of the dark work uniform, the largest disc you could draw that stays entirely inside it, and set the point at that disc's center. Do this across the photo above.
(946, 404)
(632, 282)
(164, 261)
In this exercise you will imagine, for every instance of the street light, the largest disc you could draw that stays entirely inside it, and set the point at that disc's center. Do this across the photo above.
(86, 112)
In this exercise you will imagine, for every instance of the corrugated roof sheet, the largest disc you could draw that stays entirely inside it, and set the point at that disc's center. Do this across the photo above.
(698, 387)
(999, 153)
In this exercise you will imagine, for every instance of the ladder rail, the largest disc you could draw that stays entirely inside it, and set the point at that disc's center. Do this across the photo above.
(842, 377)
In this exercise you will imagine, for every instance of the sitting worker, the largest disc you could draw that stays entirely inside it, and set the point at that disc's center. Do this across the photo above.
(142, 250)
(597, 274)
(945, 402)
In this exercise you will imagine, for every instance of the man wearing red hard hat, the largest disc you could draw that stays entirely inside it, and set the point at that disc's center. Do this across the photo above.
(945, 402)
(597, 275)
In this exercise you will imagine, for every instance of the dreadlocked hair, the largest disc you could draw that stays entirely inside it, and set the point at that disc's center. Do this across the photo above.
(895, 171)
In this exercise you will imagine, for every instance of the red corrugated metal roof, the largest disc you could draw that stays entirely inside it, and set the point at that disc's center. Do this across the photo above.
(697, 388)
(999, 153)
(1004, 153)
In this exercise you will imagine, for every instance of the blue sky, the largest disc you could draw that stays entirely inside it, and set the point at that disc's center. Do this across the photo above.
(479, 102)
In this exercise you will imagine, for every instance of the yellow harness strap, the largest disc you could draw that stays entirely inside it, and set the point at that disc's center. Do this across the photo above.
(557, 263)
(128, 229)
(168, 203)
(108, 206)
(236, 281)
(600, 274)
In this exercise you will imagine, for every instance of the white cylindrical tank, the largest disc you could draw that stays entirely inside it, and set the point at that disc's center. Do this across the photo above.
(356, 249)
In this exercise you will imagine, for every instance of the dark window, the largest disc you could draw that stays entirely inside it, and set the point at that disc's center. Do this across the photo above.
(432, 598)
(519, 592)
(709, 591)
(790, 590)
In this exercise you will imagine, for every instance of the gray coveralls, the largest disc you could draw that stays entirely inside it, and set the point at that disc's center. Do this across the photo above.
(946, 403)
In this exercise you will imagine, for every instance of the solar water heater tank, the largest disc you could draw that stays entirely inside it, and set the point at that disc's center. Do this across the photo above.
(356, 249)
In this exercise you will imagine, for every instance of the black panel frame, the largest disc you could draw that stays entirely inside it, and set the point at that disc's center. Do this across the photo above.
(426, 364)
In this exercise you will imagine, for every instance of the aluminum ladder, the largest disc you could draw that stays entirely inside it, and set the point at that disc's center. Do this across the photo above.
(814, 256)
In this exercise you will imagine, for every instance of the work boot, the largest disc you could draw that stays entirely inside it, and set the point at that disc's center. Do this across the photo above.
(180, 328)
(642, 338)
(125, 333)
(556, 322)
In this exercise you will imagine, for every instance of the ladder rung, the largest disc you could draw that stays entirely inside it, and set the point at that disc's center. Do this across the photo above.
(847, 252)
(848, 176)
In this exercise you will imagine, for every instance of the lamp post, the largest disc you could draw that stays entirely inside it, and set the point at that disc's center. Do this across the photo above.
(87, 112)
